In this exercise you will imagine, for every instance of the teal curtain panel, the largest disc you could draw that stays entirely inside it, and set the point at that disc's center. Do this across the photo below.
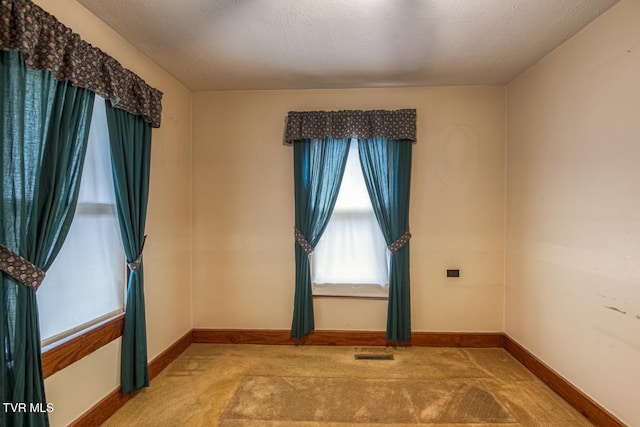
(318, 169)
(386, 166)
(44, 125)
(130, 140)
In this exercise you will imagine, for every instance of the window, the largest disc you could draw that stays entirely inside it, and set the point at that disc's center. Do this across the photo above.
(351, 258)
(85, 283)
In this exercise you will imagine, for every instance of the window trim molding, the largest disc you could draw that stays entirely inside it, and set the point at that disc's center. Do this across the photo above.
(62, 336)
(348, 290)
(61, 354)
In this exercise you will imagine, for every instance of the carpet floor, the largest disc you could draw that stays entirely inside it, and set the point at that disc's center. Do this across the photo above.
(308, 386)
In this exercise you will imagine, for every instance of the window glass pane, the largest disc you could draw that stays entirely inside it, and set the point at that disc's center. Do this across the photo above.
(86, 280)
(97, 181)
(353, 195)
(352, 249)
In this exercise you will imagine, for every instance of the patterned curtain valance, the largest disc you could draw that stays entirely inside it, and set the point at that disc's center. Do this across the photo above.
(48, 44)
(394, 125)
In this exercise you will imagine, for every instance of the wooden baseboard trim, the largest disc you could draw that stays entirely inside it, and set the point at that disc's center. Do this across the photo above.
(458, 339)
(106, 407)
(242, 336)
(161, 361)
(346, 338)
(571, 394)
(101, 411)
(283, 337)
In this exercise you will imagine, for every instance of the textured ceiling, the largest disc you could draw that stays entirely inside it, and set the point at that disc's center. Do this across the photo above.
(291, 44)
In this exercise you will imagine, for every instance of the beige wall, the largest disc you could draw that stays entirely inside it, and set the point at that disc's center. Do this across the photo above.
(168, 250)
(243, 209)
(573, 210)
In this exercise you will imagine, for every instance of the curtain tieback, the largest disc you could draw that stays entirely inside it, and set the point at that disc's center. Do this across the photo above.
(400, 242)
(20, 268)
(302, 241)
(135, 265)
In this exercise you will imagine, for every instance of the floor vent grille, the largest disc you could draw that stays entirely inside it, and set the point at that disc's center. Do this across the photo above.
(374, 356)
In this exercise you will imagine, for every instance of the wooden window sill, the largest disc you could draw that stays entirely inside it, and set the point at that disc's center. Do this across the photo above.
(59, 355)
